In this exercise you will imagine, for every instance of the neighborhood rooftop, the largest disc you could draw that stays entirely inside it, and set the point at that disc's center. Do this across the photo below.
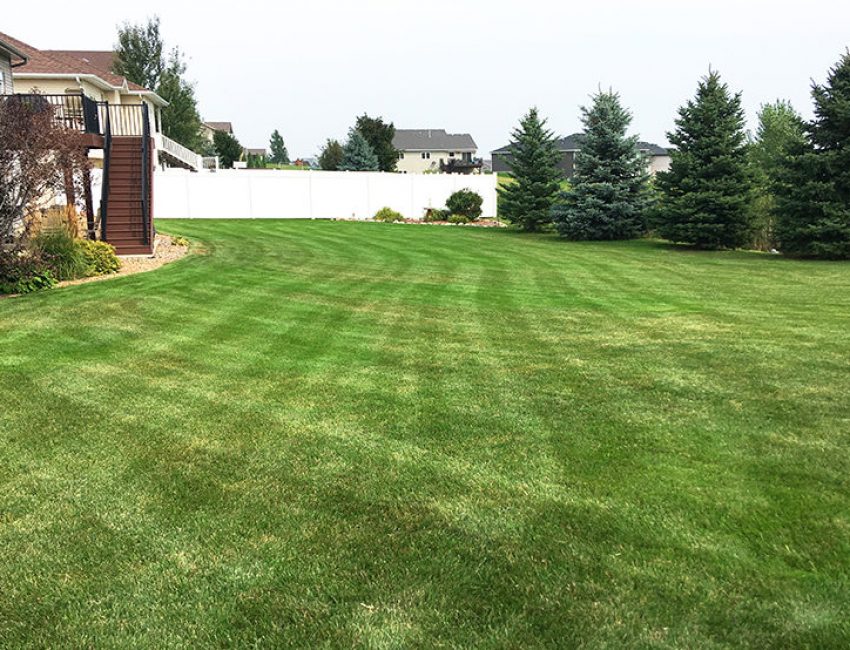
(226, 127)
(573, 143)
(432, 140)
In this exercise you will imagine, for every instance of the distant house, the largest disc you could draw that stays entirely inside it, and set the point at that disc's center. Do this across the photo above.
(10, 57)
(658, 158)
(208, 129)
(424, 150)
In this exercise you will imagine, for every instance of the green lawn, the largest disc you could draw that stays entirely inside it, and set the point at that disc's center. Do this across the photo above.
(337, 434)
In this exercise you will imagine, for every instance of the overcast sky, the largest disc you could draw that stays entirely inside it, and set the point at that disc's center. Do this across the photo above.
(309, 67)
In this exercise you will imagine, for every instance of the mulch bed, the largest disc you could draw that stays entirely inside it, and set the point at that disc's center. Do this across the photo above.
(165, 251)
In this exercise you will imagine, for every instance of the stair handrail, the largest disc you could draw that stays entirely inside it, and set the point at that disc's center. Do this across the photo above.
(104, 185)
(146, 134)
(181, 153)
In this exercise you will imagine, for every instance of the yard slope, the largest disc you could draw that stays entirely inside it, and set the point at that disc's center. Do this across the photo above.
(374, 435)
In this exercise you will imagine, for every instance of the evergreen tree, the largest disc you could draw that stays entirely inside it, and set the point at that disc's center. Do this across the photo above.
(813, 188)
(780, 130)
(180, 119)
(357, 155)
(331, 157)
(140, 53)
(227, 148)
(705, 197)
(279, 156)
(527, 201)
(380, 138)
(609, 196)
(140, 56)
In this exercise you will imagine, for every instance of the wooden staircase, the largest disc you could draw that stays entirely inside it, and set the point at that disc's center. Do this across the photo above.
(127, 213)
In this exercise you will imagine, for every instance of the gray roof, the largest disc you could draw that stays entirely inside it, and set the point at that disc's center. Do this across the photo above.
(432, 140)
(573, 143)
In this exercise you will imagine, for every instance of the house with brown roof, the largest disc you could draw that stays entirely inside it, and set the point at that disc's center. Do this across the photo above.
(120, 128)
(89, 73)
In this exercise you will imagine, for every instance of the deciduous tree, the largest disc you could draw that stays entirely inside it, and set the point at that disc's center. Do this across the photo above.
(227, 148)
(780, 130)
(380, 138)
(39, 159)
(331, 157)
(140, 56)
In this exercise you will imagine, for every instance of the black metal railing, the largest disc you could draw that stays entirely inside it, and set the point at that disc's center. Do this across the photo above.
(81, 113)
(461, 165)
(75, 112)
(146, 169)
(104, 188)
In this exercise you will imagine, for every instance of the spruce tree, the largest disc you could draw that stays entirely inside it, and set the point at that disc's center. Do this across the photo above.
(813, 190)
(279, 154)
(705, 197)
(527, 201)
(609, 196)
(357, 154)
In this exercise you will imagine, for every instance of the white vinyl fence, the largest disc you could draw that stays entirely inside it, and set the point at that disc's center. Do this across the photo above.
(278, 194)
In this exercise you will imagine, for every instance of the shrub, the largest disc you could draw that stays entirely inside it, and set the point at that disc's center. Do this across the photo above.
(179, 241)
(388, 215)
(434, 214)
(466, 203)
(100, 257)
(67, 258)
(458, 219)
(24, 273)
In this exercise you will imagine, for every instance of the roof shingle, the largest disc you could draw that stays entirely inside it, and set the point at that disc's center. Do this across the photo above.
(82, 62)
(573, 143)
(432, 140)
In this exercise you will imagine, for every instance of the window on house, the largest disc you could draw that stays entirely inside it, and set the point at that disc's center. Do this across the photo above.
(426, 155)
(451, 154)
(401, 155)
(2, 83)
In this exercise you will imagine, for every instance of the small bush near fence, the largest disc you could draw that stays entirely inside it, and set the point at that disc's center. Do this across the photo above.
(466, 203)
(388, 215)
(458, 219)
(433, 215)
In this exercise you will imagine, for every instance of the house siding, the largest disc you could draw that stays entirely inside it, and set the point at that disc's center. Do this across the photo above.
(414, 163)
(6, 72)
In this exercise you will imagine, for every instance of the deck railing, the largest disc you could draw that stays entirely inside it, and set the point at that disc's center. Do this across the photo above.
(75, 112)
